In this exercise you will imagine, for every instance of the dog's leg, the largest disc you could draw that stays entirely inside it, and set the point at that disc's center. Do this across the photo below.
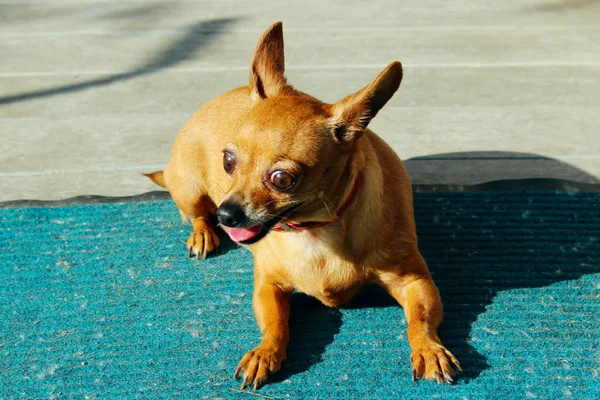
(414, 289)
(272, 310)
(204, 239)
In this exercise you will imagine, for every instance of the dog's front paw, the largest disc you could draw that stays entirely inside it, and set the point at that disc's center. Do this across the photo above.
(434, 362)
(257, 364)
(203, 240)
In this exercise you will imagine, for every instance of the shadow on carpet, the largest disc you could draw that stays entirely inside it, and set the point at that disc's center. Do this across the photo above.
(100, 301)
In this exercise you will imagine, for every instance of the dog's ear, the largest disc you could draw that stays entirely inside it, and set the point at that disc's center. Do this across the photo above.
(268, 65)
(350, 116)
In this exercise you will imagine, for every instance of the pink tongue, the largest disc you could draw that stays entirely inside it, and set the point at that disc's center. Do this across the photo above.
(243, 234)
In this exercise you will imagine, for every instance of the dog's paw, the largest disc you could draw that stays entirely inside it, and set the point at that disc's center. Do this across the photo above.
(435, 363)
(257, 364)
(202, 241)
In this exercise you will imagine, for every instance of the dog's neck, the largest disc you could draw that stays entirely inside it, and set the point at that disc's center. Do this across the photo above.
(290, 226)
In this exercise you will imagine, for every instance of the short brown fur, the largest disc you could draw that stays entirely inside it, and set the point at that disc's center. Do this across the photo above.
(325, 146)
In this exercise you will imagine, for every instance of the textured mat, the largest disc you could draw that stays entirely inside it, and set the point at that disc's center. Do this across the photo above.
(99, 301)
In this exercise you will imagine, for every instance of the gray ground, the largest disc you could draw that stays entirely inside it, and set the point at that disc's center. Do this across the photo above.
(93, 92)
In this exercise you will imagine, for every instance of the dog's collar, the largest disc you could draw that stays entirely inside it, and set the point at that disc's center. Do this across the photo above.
(317, 224)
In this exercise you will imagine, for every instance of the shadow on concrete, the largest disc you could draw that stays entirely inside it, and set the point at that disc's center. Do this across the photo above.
(496, 171)
(564, 5)
(194, 38)
(149, 12)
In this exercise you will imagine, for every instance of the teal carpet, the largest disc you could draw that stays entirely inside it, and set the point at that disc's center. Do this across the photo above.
(100, 301)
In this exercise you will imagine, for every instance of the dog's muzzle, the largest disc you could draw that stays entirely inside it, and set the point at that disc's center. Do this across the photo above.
(234, 222)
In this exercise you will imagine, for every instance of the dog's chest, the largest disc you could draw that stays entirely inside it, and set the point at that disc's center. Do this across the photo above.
(320, 272)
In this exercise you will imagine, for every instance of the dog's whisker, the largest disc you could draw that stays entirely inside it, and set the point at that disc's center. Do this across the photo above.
(275, 215)
(269, 202)
(327, 208)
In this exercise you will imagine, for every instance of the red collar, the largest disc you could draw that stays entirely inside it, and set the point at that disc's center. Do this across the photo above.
(317, 224)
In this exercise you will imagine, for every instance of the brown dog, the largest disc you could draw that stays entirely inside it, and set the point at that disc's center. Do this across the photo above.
(323, 203)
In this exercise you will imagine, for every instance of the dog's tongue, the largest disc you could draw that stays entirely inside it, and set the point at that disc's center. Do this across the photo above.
(242, 234)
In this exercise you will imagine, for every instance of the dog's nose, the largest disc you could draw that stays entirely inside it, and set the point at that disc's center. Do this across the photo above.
(231, 215)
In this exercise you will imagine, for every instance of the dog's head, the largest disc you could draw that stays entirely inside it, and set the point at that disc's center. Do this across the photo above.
(291, 154)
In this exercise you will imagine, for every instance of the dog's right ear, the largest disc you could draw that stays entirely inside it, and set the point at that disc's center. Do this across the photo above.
(268, 65)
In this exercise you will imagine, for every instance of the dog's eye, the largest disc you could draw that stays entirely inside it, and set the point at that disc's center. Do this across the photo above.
(228, 162)
(281, 180)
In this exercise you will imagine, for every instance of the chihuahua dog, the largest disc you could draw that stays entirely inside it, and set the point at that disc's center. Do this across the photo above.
(323, 204)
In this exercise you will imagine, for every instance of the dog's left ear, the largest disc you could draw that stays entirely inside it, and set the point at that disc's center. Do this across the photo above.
(350, 116)
(268, 65)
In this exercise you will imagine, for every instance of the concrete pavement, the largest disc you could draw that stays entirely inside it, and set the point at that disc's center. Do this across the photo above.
(93, 92)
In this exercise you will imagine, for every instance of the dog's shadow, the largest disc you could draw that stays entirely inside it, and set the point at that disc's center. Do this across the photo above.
(470, 267)
(481, 247)
(312, 328)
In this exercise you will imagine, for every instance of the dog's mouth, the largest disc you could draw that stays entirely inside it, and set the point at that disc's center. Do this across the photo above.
(252, 234)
